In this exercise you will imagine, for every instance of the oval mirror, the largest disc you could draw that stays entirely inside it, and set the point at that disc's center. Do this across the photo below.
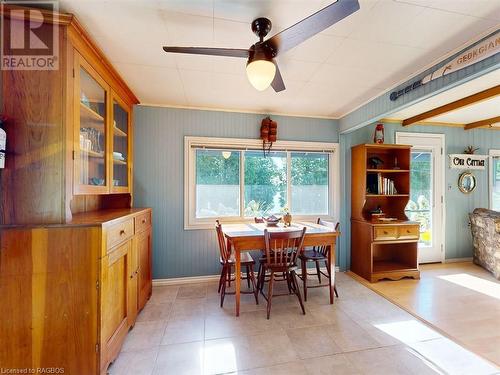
(467, 182)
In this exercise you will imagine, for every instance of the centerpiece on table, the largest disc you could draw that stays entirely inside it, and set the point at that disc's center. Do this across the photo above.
(287, 217)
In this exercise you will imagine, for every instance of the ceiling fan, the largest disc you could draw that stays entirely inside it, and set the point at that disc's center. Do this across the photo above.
(262, 70)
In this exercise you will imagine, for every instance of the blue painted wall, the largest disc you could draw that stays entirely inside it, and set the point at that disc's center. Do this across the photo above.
(458, 205)
(159, 176)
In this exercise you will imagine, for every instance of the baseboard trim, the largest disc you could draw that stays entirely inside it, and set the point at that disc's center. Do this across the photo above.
(185, 280)
(458, 260)
(197, 279)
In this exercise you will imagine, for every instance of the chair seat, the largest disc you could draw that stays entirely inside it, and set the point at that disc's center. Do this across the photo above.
(279, 268)
(312, 255)
(246, 259)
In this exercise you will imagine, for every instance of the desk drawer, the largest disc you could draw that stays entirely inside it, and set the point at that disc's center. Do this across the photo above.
(385, 233)
(409, 232)
(120, 232)
(142, 221)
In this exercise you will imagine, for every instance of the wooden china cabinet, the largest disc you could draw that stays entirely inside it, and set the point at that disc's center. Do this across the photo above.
(75, 257)
(384, 244)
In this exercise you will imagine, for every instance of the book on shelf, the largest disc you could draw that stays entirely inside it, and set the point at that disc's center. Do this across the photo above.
(380, 185)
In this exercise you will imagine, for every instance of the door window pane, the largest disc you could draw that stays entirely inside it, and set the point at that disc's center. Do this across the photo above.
(92, 131)
(265, 183)
(309, 183)
(495, 194)
(419, 207)
(217, 183)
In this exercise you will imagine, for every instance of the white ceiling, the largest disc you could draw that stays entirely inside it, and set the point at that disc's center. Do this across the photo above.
(331, 74)
(478, 111)
(472, 113)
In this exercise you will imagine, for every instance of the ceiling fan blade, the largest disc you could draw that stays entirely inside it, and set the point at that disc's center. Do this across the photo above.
(277, 84)
(229, 52)
(312, 25)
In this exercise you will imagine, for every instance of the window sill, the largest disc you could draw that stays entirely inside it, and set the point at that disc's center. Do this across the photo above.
(208, 224)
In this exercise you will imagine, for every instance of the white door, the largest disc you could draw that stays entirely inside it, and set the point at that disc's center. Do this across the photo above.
(427, 180)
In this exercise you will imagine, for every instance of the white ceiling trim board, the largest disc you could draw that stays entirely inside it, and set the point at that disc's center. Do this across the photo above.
(264, 113)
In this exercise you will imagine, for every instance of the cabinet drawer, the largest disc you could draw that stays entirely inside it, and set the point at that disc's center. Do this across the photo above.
(142, 221)
(385, 233)
(409, 232)
(120, 232)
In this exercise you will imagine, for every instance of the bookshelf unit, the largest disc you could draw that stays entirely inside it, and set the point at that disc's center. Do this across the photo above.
(383, 244)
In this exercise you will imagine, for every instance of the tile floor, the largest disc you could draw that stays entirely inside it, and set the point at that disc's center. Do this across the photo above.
(460, 299)
(182, 330)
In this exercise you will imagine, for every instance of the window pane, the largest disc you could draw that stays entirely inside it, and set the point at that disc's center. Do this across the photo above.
(309, 183)
(217, 183)
(495, 194)
(265, 183)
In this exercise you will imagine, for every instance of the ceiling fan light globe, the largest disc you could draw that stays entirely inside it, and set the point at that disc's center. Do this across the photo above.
(261, 73)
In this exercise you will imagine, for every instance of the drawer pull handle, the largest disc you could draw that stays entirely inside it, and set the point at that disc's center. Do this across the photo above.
(144, 221)
(122, 232)
(385, 232)
(408, 231)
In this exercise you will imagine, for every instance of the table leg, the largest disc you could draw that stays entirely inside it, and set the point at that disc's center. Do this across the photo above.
(237, 266)
(331, 264)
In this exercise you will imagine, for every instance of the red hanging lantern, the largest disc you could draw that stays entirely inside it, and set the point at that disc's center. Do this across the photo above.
(378, 136)
(268, 134)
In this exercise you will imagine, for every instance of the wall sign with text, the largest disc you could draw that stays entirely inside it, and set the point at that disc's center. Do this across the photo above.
(467, 161)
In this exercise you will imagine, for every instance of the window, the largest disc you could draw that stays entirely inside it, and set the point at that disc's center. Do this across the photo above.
(309, 183)
(495, 180)
(231, 179)
(217, 183)
(265, 183)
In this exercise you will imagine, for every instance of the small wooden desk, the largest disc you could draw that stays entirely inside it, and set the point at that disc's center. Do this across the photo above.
(250, 236)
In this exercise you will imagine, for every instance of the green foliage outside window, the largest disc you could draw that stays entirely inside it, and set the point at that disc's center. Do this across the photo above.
(213, 169)
(265, 178)
(309, 169)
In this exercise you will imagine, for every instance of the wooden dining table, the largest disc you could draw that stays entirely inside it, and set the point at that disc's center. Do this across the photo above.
(250, 236)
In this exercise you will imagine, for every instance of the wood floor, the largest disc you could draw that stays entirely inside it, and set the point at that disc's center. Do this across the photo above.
(183, 330)
(460, 299)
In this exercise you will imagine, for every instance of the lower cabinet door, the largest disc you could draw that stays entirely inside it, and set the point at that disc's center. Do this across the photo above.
(143, 243)
(114, 301)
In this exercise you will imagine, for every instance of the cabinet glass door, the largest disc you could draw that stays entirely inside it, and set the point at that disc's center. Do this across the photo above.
(92, 136)
(120, 155)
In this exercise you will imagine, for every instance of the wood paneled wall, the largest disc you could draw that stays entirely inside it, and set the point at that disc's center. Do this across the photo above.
(35, 148)
(159, 176)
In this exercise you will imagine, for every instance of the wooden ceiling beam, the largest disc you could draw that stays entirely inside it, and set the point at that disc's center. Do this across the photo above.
(478, 124)
(464, 102)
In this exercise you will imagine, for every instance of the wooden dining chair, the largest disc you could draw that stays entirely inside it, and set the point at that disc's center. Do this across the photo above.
(282, 249)
(317, 254)
(227, 261)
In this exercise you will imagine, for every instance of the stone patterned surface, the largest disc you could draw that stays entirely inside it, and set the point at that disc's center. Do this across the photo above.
(486, 239)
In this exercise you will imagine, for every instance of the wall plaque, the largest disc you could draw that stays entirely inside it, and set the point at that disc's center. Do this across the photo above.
(467, 161)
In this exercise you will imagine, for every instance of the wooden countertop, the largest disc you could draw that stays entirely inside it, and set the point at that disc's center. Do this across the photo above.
(92, 218)
(104, 216)
(393, 222)
(381, 223)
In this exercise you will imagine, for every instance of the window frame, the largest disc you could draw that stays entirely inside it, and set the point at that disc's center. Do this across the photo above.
(493, 153)
(192, 143)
